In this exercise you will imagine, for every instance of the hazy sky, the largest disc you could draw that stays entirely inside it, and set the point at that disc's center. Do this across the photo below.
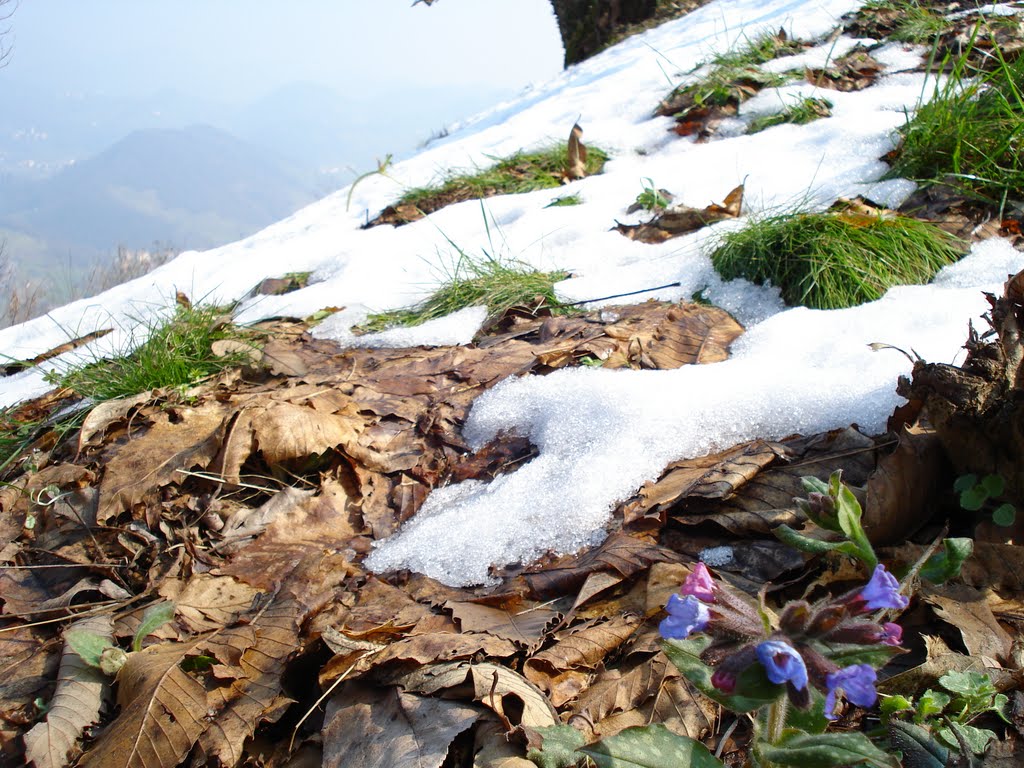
(238, 50)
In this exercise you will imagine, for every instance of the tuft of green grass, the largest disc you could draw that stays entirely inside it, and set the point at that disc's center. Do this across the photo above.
(496, 283)
(919, 25)
(800, 112)
(564, 201)
(971, 133)
(834, 260)
(177, 353)
(916, 23)
(733, 75)
(522, 172)
(15, 436)
(651, 198)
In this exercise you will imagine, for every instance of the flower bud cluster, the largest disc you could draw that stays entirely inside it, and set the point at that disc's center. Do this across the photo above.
(796, 653)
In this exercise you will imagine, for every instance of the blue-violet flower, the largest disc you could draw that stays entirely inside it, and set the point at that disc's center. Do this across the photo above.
(882, 591)
(685, 615)
(782, 663)
(856, 683)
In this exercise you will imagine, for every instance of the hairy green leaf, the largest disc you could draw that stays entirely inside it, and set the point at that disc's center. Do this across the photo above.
(946, 564)
(651, 746)
(558, 747)
(153, 618)
(88, 645)
(826, 750)
(753, 688)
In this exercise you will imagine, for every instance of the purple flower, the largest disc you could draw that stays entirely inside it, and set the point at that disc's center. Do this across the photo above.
(862, 632)
(699, 584)
(882, 591)
(685, 615)
(782, 663)
(856, 683)
(892, 634)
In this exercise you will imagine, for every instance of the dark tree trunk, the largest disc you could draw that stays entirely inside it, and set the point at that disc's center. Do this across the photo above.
(587, 26)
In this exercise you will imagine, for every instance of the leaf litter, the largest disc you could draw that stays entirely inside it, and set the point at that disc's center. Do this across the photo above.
(253, 502)
(305, 472)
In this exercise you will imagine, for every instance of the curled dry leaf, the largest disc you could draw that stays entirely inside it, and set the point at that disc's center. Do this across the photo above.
(682, 219)
(207, 602)
(563, 670)
(492, 684)
(492, 748)
(283, 359)
(966, 609)
(252, 659)
(75, 704)
(234, 348)
(282, 431)
(621, 553)
(902, 489)
(102, 416)
(525, 626)
(576, 163)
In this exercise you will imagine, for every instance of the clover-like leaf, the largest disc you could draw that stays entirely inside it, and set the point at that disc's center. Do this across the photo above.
(965, 483)
(1004, 515)
(993, 484)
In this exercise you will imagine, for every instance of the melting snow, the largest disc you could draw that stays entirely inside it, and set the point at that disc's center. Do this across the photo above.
(600, 433)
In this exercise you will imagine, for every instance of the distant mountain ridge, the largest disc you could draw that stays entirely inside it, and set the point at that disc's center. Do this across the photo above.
(194, 187)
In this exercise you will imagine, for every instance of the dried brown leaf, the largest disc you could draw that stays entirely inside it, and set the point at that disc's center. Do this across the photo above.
(576, 164)
(252, 659)
(163, 712)
(282, 432)
(966, 609)
(682, 219)
(295, 545)
(620, 553)
(207, 602)
(283, 359)
(75, 704)
(902, 489)
(189, 440)
(492, 683)
(366, 726)
(106, 413)
(493, 749)
(564, 670)
(940, 660)
(525, 627)
(766, 500)
(582, 649)
(28, 667)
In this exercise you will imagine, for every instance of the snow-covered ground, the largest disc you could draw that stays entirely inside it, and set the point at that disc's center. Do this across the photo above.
(600, 433)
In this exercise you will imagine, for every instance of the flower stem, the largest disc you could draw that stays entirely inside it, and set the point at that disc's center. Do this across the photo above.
(776, 719)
